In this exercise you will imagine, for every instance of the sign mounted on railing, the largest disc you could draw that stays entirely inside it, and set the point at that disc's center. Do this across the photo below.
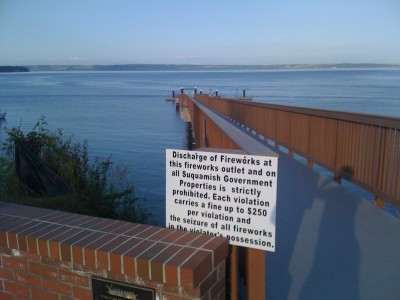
(223, 194)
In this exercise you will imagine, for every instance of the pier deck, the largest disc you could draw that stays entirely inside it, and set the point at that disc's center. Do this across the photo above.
(330, 244)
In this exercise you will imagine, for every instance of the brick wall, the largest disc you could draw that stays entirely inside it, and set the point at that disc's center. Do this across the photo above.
(47, 254)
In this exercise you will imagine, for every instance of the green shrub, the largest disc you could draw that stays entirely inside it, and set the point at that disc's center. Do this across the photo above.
(97, 186)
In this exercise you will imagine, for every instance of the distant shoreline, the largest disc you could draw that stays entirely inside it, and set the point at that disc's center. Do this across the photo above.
(12, 69)
(188, 67)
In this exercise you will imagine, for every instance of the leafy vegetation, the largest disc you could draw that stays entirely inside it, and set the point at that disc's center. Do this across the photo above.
(97, 187)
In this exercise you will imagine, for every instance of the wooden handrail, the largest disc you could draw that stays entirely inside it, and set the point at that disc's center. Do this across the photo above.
(362, 148)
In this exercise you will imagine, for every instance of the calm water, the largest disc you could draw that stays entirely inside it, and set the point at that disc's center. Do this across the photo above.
(124, 114)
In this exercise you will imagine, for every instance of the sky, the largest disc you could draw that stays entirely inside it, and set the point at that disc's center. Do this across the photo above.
(85, 32)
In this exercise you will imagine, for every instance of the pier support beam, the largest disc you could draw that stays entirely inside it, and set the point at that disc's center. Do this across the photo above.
(255, 270)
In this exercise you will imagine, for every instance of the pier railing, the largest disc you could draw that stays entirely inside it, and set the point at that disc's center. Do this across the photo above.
(361, 148)
(211, 130)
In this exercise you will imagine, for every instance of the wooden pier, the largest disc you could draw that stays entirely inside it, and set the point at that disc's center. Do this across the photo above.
(330, 243)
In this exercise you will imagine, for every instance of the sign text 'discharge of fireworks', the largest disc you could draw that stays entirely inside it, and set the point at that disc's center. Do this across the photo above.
(223, 194)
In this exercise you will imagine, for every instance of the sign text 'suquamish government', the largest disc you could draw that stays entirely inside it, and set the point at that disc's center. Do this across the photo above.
(223, 194)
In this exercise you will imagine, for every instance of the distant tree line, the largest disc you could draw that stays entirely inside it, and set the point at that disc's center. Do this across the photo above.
(190, 67)
(5, 69)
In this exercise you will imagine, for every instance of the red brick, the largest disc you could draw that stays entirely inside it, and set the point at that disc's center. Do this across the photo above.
(12, 240)
(166, 254)
(136, 229)
(74, 278)
(39, 294)
(200, 241)
(54, 217)
(89, 238)
(70, 218)
(45, 271)
(81, 293)
(65, 252)
(217, 288)
(101, 225)
(3, 239)
(194, 293)
(180, 256)
(115, 262)
(57, 287)
(22, 244)
(102, 260)
(28, 279)
(149, 232)
(221, 270)
(30, 228)
(90, 257)
(115, 243)
(12, 222)
(171, 275)
(129, 266)
(67, 234)
(112, 225)
(77, 254)
(124, 247)
(187, 278)
(56, 263)
(90, 222)
(55, 231)
(6, 296)
(207, 297)
(72, 240)
(102, 242)
(121, 228)
(15, 264)
(77, 222)
(143, 269)
(43, 249)
(139, 248)
(5, 251)
(32, 245)
(157, 273)
(6, 274)
(26, 211)
(186, 239)
(24, 256)
(222, 295)
(165, 232)
(220, 249)
(54, 249)
(196, 268)
(144, 259)
(174, 297)
(16, 288)
(209, 282)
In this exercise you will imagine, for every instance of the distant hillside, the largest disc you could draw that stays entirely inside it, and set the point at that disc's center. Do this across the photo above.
(5, 69)
(174, 67)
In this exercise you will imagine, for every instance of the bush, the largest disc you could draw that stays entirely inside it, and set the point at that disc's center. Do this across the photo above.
(97, 187)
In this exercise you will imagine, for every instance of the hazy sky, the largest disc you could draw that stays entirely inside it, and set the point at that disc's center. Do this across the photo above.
(199, 31)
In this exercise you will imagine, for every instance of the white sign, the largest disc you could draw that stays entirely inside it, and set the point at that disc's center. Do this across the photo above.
(223, 194)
